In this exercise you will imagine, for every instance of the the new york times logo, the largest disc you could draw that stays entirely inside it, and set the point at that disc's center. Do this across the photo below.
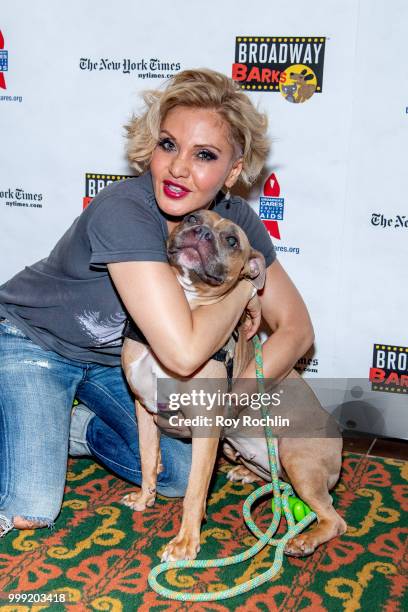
(379, 220)
(291, 65)
(20, 198)
(390, 368)
(152, 68)
(95, 182)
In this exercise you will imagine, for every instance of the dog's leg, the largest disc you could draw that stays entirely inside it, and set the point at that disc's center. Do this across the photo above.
(150, 460)
(313, 467)
(187, 542)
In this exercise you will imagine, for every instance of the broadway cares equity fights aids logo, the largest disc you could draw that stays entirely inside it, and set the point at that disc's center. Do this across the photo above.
(3, 62)
(290, 65)
(95, 182)
(4, 66)
(271, 206)
(271, 211)
(390, 368)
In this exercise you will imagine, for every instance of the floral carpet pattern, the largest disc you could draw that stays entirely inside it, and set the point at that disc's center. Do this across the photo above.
(100, 552)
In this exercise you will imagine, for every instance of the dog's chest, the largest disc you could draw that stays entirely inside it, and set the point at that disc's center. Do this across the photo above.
(142, 375)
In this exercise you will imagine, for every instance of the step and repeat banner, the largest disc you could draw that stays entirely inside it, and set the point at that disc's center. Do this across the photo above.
(332, 77)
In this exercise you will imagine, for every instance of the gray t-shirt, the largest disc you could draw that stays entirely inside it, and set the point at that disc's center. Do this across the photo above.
(67, 302)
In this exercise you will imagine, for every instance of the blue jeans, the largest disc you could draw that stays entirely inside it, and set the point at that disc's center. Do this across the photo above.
(37, 388)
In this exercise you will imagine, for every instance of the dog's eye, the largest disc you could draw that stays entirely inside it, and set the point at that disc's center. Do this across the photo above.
(232, 241)
(191, 219)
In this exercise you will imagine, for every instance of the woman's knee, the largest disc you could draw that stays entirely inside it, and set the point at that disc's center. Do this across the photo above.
(175, 488)
(176, 457)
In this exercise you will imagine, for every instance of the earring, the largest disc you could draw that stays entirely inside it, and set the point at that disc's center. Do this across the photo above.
(227, 195)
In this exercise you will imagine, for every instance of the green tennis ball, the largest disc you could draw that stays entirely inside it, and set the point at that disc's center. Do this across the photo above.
(298, 508)
(298, 511)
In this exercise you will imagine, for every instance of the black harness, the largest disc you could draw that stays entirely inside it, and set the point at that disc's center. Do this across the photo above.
(224, 355)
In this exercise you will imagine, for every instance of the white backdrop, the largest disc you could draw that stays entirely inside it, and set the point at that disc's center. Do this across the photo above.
(338, 157)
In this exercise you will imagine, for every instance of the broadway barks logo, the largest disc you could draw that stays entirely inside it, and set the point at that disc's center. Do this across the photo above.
(3, 62)
(94, 183)
(390, 369)
(291, 65)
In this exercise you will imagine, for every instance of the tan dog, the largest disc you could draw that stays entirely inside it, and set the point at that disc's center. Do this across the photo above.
(210, 255)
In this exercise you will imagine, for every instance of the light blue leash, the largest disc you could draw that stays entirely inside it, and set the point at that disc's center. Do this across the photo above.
(281, 501)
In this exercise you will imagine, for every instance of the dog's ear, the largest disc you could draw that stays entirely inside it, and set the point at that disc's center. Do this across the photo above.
(255, 269)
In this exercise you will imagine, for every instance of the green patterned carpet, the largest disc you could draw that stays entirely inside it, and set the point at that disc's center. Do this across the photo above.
(99, 555)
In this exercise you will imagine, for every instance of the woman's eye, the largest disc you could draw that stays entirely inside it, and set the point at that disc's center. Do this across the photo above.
(191, 219)
(206, 155)
(232, 241)
(167, 144)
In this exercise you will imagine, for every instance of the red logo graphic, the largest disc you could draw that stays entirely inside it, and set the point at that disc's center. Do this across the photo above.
(272, 190)
(2, 79)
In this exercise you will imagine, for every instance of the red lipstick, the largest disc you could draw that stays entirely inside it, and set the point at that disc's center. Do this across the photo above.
(174, 190)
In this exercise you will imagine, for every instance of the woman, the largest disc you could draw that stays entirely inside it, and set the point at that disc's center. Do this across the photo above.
(63, 317)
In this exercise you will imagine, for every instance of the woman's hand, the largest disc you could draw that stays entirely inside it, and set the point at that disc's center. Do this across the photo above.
(253, 314)
(286, 314)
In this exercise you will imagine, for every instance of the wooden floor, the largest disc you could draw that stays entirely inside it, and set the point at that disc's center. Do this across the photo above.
(367, 444)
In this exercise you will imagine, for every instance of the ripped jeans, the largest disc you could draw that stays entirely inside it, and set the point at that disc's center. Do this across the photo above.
(37, 388)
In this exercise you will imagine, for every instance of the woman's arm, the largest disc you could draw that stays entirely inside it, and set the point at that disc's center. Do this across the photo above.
(287, 316)
(183, 339)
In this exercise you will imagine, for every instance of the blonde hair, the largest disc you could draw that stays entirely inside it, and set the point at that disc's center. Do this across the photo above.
(202, 88)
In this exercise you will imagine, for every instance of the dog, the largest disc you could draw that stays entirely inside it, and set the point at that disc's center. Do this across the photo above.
(305, 90)
(209, 255)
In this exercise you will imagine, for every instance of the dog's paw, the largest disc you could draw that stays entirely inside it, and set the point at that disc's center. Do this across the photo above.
(239, 473)
(139, 501)
(300, 546)
(181, 548)
(306, 543)
(230, 452)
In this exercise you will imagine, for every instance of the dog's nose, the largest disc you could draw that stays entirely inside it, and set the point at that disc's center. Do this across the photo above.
(203, 232)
